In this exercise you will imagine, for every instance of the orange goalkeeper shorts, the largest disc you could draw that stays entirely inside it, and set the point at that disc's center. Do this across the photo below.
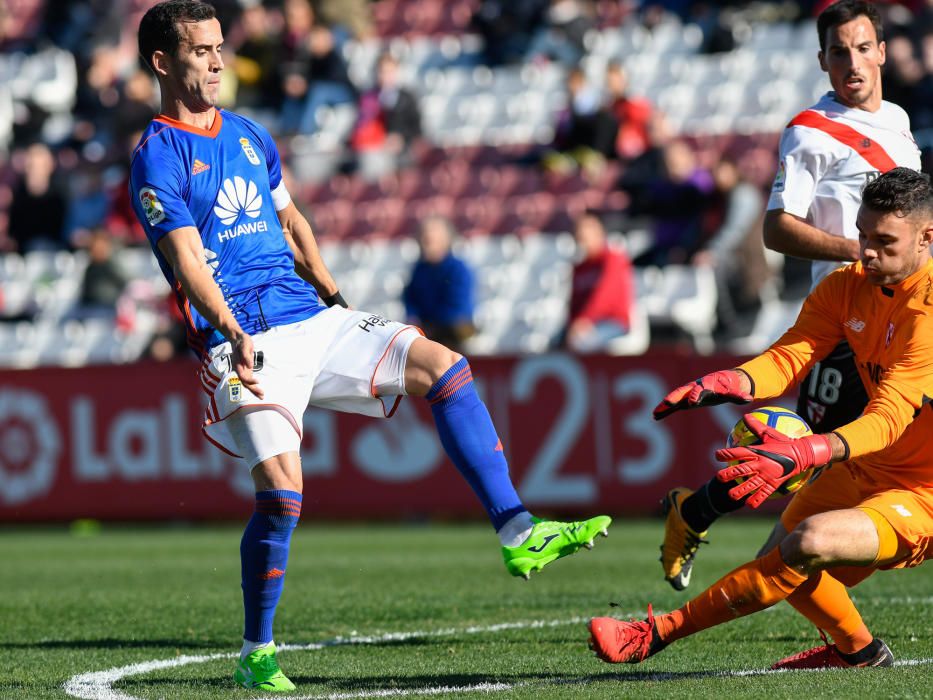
(909, 512)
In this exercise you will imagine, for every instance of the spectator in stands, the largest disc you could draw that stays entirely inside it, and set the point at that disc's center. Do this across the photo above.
(631, 114)
(561, 38)
(585, 134)
(97, 96)
(389, 121)
(103, 281)
(506, 27)
(355, 15)
(732, 245)
(675, 202)
(602, 290)
(313, 71)
(137, 105)
(256, 62)
(37, 211)
(120, 221)
(439, 297)
(903, 74)
(170, 339)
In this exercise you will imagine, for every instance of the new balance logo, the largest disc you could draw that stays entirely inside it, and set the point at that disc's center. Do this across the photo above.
(901, 510)
(271, 574)
(237, 195)
(199, 167)
(855, 324)
(540, 547)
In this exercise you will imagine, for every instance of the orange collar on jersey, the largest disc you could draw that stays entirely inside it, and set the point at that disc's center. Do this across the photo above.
(211, 133)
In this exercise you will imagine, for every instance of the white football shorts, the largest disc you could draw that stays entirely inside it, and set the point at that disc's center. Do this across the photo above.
(340, 359)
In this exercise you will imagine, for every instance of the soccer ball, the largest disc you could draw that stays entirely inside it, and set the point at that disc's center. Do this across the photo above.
(785, 422)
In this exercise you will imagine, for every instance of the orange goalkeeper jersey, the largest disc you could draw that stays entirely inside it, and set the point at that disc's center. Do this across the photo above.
(890, 330)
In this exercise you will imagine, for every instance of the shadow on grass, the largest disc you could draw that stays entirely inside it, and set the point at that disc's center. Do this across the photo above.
(111, 643)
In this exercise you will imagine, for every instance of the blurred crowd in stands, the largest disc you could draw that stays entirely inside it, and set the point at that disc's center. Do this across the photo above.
(74, 97)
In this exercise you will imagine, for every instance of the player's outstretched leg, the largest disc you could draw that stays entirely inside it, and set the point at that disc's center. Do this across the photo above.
(681, 541)
(874, 655)
(619, 642)
(263, 558)
(550, 540)
(688, 517)
(754, 586)
(469, 437)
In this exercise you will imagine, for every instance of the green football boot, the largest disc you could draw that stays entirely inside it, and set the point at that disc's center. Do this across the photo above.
(550, 540)
(260, 671)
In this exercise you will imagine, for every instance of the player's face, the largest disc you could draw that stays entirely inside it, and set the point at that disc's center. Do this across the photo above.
(892, 247)
(853, 60)
(196, 66)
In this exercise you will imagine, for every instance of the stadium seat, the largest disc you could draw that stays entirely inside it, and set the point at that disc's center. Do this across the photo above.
(638, 338)
(691, 298)
(773, 319)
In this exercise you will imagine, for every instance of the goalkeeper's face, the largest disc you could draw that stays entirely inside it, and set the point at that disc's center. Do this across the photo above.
(893, 247)
(196, 66)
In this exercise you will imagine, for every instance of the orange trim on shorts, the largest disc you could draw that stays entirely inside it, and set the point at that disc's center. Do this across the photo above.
(372, 380)
(218, 445)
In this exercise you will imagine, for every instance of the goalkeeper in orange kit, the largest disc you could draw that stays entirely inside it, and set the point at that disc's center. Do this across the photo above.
(872, 507)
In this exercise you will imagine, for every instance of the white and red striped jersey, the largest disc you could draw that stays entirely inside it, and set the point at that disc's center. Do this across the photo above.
(828, 153)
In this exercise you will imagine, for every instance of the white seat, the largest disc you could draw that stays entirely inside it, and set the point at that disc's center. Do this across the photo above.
(683, 296)
(774, 318)
(638, 338)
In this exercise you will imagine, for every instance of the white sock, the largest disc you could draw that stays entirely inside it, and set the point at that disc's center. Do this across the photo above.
(249, 647)
(516, 530)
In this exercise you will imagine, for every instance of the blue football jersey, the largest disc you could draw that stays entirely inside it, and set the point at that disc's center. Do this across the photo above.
(225, 181)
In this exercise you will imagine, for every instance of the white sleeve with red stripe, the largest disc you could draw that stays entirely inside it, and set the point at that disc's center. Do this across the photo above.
(806, 156)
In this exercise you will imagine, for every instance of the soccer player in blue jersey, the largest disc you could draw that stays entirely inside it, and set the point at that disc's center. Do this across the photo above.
(274, 333)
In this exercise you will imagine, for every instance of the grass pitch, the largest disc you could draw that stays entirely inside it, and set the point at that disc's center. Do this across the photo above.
(409, 611)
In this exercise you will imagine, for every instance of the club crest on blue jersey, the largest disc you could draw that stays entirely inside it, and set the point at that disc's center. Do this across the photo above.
(152, 207)
(248, 150)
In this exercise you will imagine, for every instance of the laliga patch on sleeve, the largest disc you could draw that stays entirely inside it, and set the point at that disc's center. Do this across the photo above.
(152, 207)
(779, 179)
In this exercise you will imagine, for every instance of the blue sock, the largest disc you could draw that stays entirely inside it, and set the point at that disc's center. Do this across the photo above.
(469, 438)
(263, 558)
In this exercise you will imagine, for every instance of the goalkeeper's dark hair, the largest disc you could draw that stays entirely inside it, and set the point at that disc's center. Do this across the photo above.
(159, 31)
(901, 191)
(846, 11)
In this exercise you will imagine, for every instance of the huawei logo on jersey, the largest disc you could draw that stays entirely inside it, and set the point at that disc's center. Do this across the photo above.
(237, 195)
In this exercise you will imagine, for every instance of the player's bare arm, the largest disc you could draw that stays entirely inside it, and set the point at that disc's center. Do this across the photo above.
(184, 251)
(791, 235)
(308, 262)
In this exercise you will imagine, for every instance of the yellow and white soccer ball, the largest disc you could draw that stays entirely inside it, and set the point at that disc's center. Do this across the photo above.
(784, 421)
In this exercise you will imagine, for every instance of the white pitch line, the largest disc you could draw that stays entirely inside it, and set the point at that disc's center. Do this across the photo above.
(400, 692)
(98, 685)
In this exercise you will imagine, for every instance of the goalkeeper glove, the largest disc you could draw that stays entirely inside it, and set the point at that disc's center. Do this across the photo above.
(767, 465)
(710, 390)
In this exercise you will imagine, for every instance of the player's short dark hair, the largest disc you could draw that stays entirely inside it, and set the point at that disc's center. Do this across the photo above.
(901, 191)
(845, 11)
(158, 29)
